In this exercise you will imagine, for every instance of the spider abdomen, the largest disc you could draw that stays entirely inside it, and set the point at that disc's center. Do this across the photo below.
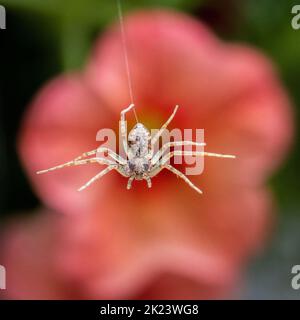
(138, 142)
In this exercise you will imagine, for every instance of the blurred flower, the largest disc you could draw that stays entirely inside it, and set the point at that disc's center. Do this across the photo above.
(167, 242)
(28, 247)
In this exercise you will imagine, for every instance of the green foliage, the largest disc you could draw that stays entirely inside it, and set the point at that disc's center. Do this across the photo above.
(267, 25)
(77, 20)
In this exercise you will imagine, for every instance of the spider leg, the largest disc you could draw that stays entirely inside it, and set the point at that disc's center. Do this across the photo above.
(168, 156)
(149, 183)
(86, 154)
(159, 133)
(123, 127)
(174, 144)
(98, 176)
(113, 155)
(76, 163)
(182, 176)
(130, 180)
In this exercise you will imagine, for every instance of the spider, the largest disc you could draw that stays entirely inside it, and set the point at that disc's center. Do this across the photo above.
(141, 162)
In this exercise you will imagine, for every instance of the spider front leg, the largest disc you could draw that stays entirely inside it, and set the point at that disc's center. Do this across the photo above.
(123, 127)
(159, 133)
(174, 144)
(78, 162)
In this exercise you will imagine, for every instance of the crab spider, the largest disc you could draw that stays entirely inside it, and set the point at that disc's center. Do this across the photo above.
(141, 163)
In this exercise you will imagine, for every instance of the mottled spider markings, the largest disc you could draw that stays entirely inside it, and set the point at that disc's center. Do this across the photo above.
(141, 163)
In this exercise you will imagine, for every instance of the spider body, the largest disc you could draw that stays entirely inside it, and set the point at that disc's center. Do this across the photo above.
(141, 163)
(138, 152)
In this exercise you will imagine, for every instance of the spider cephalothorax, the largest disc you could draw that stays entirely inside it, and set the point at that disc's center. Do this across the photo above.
(141, 163)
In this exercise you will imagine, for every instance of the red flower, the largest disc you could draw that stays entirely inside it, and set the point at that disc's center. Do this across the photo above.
(166, 242)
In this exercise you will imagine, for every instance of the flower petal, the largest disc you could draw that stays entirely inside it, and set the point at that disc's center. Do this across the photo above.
(28, 253)
(61, 124)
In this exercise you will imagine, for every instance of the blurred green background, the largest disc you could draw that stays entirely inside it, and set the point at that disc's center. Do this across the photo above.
(46, 37)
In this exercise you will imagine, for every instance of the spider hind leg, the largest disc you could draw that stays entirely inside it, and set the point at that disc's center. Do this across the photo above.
(98, 176)
(183, 177)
